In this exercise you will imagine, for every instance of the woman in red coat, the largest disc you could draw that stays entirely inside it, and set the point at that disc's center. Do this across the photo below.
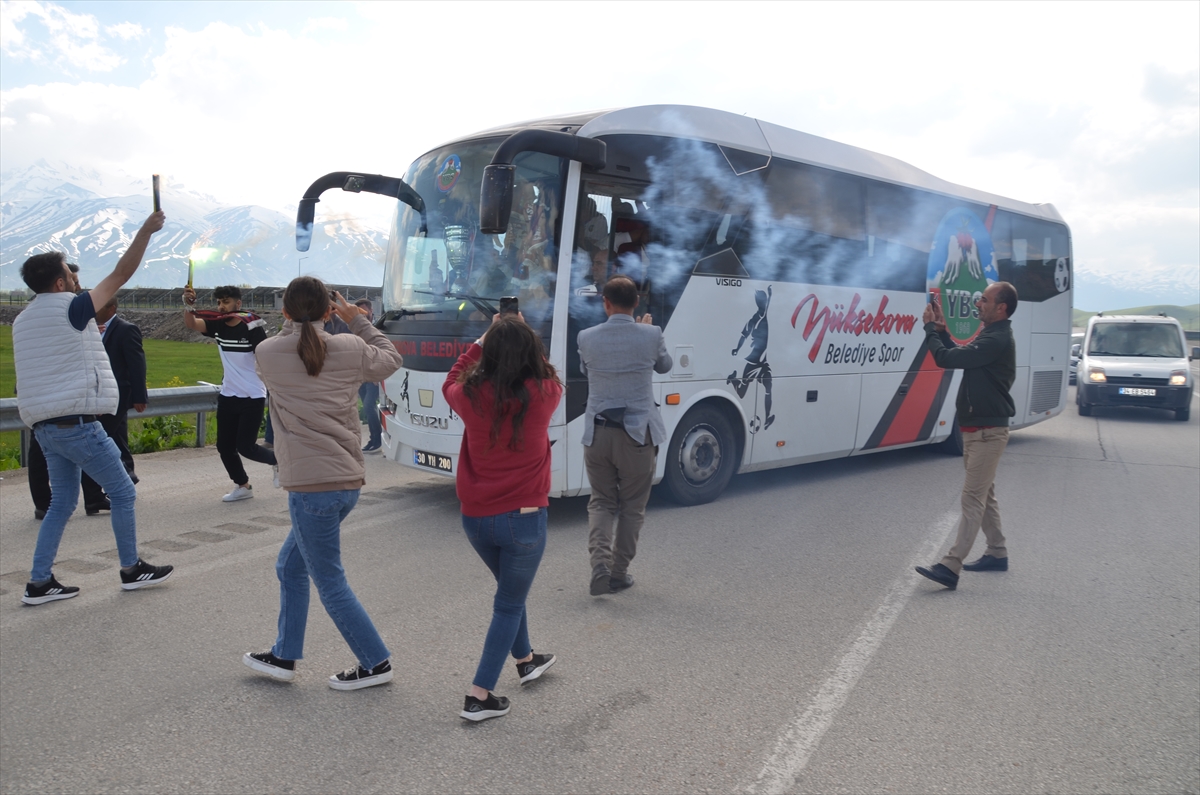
(505, 391)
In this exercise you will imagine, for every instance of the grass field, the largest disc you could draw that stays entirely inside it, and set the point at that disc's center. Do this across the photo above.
(167, 364)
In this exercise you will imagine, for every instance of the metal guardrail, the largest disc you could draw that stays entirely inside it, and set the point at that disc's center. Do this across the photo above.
(198, 400)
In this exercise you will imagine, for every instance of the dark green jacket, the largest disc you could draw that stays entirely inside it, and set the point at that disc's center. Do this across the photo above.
(989, 365)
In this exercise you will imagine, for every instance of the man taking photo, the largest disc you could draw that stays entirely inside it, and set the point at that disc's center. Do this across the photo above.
(989, 365)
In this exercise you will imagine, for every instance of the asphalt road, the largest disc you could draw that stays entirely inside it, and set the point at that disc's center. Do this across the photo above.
(776, 640)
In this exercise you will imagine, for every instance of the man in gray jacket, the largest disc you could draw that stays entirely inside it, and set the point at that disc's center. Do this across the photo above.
(985, 407)
(622, 432)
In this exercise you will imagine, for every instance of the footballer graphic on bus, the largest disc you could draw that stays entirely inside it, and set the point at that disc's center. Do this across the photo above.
(962, 263)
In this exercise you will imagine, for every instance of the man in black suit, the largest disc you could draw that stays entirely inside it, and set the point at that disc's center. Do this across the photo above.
(123, 342)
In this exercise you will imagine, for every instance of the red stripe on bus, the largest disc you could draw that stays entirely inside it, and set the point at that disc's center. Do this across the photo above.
(906, 426)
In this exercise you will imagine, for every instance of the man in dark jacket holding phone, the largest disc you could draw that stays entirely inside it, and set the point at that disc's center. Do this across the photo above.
(989, 365)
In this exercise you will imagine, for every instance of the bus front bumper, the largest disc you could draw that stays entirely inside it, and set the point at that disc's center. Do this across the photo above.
(432, 452)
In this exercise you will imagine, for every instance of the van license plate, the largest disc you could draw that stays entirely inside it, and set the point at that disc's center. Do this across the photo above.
(442, 463)
(1136, 391)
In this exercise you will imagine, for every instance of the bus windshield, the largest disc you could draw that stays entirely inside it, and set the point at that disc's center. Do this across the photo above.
(453, 277)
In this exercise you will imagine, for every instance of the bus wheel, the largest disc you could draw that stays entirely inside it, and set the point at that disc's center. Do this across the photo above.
(702, 457)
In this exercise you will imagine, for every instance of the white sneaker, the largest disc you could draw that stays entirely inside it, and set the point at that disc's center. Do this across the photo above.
(276, 468)
(239, 493)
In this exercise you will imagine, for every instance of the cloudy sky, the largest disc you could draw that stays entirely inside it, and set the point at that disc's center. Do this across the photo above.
(1094, 107)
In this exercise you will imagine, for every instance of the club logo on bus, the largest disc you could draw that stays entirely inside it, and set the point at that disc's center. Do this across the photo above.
(448, 173)
(851, 320)
(962, 263)
(441, 349)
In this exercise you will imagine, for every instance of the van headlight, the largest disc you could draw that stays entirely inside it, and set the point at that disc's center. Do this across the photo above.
(1178, 377)
(1096, 375)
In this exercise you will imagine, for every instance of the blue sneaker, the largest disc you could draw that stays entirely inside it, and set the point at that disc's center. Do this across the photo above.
(987, 563)
(939, 574)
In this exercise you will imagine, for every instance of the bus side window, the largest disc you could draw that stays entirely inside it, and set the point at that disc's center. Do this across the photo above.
(817, 220)
(1028, 252)
(900, 227)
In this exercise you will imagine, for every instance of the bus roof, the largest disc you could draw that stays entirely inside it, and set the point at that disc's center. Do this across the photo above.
(761, 137)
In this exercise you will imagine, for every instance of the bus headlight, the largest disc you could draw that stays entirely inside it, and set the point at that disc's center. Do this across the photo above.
(1096, 375)
(1178, 377)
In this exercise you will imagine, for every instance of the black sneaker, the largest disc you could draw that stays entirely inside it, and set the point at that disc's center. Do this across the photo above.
(358, 677)
(493, 706)
(600, 577)
(940, 574)
(532, 669)
(144, 574)
(267, 663)
(47, 592)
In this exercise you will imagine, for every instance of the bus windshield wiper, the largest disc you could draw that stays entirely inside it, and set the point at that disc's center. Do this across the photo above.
(478, 301)
(396, 314)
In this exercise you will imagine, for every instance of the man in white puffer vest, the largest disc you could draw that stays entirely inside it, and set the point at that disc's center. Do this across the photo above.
(66, 381)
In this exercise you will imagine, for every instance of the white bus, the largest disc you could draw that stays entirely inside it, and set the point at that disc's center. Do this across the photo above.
(788, 273)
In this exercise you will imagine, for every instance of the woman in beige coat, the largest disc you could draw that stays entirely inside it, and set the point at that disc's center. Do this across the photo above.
(313, 378)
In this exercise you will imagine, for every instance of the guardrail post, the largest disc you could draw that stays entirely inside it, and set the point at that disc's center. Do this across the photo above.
(24, 447)
(201, 427)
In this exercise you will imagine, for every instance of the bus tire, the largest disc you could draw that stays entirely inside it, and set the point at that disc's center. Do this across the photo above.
(953, 445)
(702, 456)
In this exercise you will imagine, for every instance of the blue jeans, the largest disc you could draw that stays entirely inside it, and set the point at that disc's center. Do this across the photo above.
(511, 544)
(88, 448)
(369, 393)
(313, 549)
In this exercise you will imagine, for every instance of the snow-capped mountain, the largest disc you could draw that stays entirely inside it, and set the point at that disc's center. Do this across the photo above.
(93, 217)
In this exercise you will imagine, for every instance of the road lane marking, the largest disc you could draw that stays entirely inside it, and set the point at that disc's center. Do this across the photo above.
(798, 741)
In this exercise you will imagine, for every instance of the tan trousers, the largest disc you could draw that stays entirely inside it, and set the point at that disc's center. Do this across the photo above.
(621, 472)
(981, 456)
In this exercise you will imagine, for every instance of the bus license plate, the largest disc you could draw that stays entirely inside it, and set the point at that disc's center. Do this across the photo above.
(1136, 391)
(442, 463)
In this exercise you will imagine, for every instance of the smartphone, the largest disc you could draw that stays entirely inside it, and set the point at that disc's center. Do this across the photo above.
(157, 197)
(932, 297)
(508, 305)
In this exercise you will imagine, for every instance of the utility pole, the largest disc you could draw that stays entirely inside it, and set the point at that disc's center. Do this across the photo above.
(299, 265)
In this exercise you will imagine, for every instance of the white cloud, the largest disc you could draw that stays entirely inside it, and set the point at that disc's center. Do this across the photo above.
(126, 31)
(72, 40)
(325, 23)
(1095, 112)
(12, 40)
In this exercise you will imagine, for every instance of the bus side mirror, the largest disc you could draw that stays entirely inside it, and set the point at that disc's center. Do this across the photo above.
(1195, 353)
(495, 198)
(304, 223)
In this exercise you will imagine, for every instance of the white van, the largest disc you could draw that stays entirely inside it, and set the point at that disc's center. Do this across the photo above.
(1135, 360)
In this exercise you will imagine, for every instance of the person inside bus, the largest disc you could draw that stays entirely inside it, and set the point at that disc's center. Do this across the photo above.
(505, 392)
(593, 236)
(629, 245)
